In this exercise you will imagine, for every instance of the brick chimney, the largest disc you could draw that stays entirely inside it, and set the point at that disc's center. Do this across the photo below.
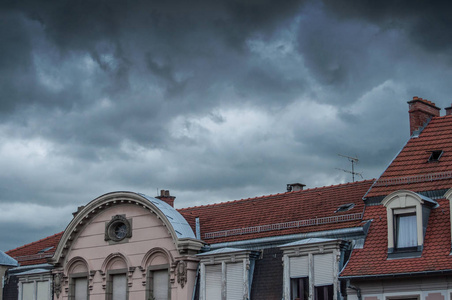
(421, 111)
(165, 196)
(448, 110)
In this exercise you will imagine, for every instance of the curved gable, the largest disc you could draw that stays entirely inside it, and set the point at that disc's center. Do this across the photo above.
(178, 228)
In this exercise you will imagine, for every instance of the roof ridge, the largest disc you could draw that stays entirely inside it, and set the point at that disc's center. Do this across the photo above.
(273, 195)
(35, 242)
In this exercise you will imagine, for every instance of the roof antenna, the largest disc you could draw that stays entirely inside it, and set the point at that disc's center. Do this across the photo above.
(353, 160)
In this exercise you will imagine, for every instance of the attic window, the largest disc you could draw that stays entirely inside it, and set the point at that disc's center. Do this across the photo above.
(45, 249)
(435, 156)
(345, 207)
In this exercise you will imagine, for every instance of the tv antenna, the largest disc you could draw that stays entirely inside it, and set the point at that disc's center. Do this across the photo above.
(353, 160)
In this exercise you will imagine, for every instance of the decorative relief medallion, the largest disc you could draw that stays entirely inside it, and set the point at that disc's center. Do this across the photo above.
(118, 229)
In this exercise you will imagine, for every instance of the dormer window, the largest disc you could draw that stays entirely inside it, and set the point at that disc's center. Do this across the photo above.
(407, 216)
(435, 156)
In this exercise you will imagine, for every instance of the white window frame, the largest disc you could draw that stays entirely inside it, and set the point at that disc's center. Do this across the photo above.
(34, 280)
(244, 258)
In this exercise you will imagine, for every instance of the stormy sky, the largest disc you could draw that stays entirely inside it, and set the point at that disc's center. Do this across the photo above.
(213, 100)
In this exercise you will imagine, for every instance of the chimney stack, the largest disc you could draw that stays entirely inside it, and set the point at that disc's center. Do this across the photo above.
(165, 196)
(421, 111)
(448, 110)
(293, 187)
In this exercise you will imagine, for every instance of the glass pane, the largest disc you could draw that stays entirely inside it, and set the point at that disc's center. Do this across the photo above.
(43, 292)
(119, 287)
(160, 284)
(27, 291)
(81, 288)
(406, 231)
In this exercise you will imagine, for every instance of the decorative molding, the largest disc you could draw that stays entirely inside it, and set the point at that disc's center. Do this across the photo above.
(57, 283)
(181, 273)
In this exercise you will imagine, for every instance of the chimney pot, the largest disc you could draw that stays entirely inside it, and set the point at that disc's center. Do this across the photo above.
(448, 110)
(165, 196)
(421, 111)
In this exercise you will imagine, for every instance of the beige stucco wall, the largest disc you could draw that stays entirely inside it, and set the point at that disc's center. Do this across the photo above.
(151, 244)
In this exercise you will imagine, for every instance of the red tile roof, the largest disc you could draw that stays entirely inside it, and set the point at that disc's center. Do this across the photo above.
(411, 169)
(372, 259)
(244, 215)
(31, 254)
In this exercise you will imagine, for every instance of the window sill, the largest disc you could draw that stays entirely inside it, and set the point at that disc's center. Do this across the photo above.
(405, 252)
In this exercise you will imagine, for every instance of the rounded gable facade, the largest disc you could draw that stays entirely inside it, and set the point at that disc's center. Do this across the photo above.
(125, 244)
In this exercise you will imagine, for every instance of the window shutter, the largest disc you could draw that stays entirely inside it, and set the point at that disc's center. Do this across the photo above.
(81, 288)
(160, 284)
(234, 281)
(213, 282)
(298, 266)
(323, 269)
(43, 290)
(27, 291)
(119, 286)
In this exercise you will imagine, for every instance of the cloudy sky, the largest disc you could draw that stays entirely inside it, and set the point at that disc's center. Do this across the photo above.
(213, 100)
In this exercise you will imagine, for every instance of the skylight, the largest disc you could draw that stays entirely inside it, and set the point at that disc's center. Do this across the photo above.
(345, 207)
(45, 249)
(435, 156)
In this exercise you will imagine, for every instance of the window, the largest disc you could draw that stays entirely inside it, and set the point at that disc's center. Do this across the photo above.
(35, 290)
(435, 156)
(81, 288)
(78, 287)
(324, 292)
(407, 217)
(118, 229)
(158, 283)
(405, 231)
(226, 274)
(311, 267)
(299, 288)
(117, 285)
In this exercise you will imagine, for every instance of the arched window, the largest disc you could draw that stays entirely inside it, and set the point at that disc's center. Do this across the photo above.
(78, 279)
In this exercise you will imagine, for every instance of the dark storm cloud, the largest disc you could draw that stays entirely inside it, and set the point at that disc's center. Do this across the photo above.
(427, 23)
(214, 100)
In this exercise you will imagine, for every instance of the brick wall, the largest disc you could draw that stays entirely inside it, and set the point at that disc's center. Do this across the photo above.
(268, 276)
(10, 290)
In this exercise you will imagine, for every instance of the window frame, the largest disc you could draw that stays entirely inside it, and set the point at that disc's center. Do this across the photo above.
(109, 290)
(149, 279)
(72, 278)
(329, 288)
(397, 215)
(304, 291)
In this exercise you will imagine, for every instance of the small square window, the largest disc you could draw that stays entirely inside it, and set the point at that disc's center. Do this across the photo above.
(435, 156)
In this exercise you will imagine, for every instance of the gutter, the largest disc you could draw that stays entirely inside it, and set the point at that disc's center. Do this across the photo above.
(408, 274)
(30, 267)
(335, 233)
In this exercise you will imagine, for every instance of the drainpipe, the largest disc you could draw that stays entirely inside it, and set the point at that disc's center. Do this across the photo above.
(357, 289)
